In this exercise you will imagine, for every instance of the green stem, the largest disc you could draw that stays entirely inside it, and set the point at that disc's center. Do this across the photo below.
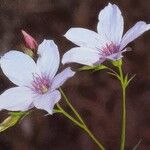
(121, 76)
(82, 126)
(101, 147)
(123, 129)
(71, 107)
(69, 117)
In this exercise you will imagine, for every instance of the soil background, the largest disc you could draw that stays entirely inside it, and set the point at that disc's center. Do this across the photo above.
(95, 95)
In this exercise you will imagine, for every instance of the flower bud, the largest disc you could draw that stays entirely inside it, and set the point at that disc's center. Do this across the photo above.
(30, 42)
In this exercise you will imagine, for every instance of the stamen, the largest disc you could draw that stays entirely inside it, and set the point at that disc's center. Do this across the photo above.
(109, 49)
(40, 84)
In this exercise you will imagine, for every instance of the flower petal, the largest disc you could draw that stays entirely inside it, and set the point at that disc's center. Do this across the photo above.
(48, 61)
(18, 67)
(116, 56)
(138, 29)
(47, 101)
(84, 37)
(60, 78)
(111, 24)
(81, 55)
(16, 99)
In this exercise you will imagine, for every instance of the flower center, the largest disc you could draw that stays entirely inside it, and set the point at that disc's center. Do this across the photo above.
(110, 49)
(40, 84)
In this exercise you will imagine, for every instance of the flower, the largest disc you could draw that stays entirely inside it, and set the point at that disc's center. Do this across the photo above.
(36, 81)
(108, 43)
(30, 42)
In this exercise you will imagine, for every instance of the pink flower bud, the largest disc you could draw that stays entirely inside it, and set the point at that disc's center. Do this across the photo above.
(30, 42)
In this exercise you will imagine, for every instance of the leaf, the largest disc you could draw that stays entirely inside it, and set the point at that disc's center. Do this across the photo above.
(12, 119)
(112, 74)
(131, 79)
(137, 145)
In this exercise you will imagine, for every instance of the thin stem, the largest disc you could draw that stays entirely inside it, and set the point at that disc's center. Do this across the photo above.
(82, 126)
(123, 129)
(94, 139)
(69, 117)
(71, 107)
(121, 76)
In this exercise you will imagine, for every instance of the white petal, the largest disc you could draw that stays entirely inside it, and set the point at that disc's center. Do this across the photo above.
(84, 37)
(60, 78)
(111, 24)
(138, 29)
(18, 67)
(48, 61)
(47, 101)
(81, 55)
(116, 56)
(16, 99)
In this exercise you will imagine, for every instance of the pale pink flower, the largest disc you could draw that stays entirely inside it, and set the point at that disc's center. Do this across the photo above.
(30, 42)
(108, 43)
(36, 82)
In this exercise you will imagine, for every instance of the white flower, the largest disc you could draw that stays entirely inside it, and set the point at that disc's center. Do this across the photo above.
(36, 82)
(108, 43)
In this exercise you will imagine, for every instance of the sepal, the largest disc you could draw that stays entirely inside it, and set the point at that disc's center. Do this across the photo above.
(12, 119)
(94, 68)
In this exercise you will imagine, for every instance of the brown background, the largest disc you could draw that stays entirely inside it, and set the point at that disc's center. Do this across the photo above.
(95, 95)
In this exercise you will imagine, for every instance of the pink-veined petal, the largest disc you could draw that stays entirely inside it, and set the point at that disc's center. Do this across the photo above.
(18, 67)
(117, 55)
(47, 101)
(49, 59)
(138, 29)
(16, 99)
(60, 78)
(111, 24)
(84, 37)
(81, 55)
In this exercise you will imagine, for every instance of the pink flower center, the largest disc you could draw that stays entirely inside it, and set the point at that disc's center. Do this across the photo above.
(109, 49)
(40, 84)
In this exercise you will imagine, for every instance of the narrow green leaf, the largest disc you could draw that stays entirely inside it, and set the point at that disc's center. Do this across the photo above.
(131, 79)
(112, 74)
(137, 145)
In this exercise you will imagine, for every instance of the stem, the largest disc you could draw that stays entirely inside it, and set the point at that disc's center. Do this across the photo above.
(81, 125)
(123, 130)
(69, 117)
(94, 139)
(72, 108)
(121, 76)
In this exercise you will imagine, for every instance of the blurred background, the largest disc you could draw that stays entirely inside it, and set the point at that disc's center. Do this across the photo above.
(95, 95)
